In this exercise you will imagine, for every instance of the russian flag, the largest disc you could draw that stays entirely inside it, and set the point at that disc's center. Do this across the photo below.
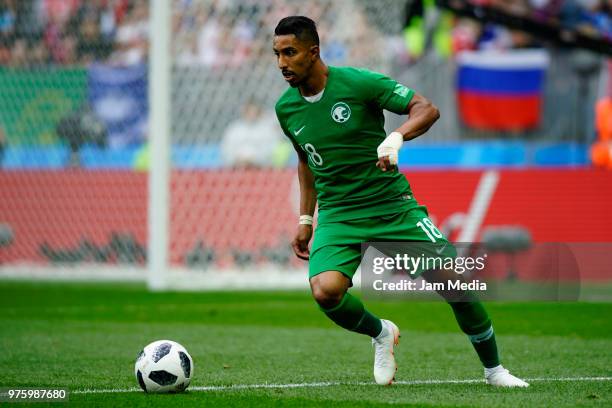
(501, 90)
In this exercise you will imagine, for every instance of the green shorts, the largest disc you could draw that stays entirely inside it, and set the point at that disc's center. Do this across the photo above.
(337, 245)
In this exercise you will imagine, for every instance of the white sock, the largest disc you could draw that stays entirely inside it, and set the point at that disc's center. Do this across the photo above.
(384, 332)
(493, 370)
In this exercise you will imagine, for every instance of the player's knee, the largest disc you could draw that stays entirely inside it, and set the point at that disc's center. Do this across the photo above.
(329, 290)
(327, 298)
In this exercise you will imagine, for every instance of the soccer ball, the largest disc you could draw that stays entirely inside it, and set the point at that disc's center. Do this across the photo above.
(164, 366)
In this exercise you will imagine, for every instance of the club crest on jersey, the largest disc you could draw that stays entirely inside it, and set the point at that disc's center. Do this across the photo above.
(340, 112)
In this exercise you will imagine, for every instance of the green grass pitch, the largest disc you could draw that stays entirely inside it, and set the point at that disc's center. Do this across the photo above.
(86, 336)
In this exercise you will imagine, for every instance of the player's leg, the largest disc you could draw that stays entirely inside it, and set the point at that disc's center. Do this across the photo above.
(471, 316)
(474, 321)
(423, 237)
(330, 290)
(334, 258)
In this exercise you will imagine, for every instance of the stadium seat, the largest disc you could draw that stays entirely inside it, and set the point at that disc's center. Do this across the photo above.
(96, 158)
(197, 156)
(561, 154)
(34, 157)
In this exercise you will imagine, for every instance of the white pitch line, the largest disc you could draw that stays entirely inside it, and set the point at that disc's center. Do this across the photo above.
(335, 383)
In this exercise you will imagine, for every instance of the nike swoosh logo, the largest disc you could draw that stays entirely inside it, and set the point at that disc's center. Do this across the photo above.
(297, 132)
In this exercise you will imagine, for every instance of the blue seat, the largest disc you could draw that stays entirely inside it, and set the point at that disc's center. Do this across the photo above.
(96, 158)
(461, 155)
(464, 155)
(197, 156)
(35, 157)
(561, 154)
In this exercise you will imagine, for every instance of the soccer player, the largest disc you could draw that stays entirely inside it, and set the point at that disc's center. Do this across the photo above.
(334, 118)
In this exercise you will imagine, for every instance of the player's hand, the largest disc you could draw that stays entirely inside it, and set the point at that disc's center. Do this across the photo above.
(388, 151)
(384, 163)
(301, 240)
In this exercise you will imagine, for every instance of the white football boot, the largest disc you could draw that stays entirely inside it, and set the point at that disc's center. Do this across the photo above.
(500, 377)
(384, 359)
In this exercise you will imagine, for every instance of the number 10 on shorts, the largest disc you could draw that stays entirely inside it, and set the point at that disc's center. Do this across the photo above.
(429, 229)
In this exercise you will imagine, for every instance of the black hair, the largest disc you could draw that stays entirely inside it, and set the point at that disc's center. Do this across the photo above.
(302, 27)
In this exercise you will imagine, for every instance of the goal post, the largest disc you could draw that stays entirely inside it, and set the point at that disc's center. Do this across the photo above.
(159, 145)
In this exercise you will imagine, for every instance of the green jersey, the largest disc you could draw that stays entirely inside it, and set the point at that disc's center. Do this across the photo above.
(340, 133)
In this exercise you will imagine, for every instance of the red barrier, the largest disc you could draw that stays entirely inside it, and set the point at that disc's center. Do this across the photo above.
(554, 205)
(249, 210)
(62, 207)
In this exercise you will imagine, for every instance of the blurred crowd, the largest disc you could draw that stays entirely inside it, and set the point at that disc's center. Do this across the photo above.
(230, 33)
(589, 17)
(222, 33)
(43, 32)
(205, 32)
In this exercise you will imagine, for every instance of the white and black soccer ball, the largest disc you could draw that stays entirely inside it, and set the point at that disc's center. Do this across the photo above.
(164, 366)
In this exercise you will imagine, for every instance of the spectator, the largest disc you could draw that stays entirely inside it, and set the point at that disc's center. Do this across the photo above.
(38, 55)
(253, 140)
(8, 16)
(53, 38)
(186, 50)
(78, 128)
(108, 21)
(208, 38)
(19, 53)
(60, 11)
(31, 19)
(223, 42)
(601, 150)
(545, 11)
(5, 53)
(132, 36)
(465, 35)
(92, 46)
(99, 12)
(66, 54)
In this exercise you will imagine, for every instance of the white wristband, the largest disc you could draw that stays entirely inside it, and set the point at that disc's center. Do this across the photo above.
(306, 219)
(390, 146)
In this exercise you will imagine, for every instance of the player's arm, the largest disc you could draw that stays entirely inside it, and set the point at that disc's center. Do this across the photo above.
(422, 115)
(308, 201)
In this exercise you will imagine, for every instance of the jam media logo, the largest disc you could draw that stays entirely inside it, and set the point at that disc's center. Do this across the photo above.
(340, 112)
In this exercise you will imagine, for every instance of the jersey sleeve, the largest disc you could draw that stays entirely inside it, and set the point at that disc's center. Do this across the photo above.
(385, 92)
(283, 127)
